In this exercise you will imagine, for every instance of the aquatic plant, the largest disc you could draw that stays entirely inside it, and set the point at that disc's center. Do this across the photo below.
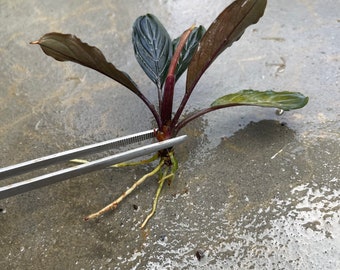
(164, 60)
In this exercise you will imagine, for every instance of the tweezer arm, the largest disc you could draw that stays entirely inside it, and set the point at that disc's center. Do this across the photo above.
(34, 164)
(64, 174)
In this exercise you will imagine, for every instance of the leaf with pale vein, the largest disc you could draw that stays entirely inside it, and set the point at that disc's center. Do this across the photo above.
(284, 100)
(188, 50)
(153, 48)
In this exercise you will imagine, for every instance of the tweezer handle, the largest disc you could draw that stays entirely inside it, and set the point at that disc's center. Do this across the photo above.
(64, 174)
(34, 164)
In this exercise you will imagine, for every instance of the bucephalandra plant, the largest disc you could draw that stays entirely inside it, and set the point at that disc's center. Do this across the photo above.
(164, 60)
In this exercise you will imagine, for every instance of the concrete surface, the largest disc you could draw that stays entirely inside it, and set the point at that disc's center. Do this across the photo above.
(254, 190)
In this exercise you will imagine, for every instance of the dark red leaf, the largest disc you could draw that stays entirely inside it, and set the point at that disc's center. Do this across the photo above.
(66, 47)
(227, 28)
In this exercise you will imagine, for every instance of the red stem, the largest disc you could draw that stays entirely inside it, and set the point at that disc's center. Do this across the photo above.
(180, 110)
(151, 108)
(168, 95)
(193, 116)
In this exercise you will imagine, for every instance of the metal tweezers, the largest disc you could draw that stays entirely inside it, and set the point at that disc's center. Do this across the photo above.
(57, 176)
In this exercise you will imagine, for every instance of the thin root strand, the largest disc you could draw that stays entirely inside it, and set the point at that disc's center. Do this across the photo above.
(155, 200)
(114, 204)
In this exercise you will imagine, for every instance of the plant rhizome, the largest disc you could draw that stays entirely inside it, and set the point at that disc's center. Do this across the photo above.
(164, 60)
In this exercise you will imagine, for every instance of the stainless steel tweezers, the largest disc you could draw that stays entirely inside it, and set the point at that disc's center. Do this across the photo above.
(57, 176)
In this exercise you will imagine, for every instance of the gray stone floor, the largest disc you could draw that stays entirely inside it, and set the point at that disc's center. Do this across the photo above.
(254, 190)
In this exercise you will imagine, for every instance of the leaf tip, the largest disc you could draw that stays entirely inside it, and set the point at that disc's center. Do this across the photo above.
(34, 42)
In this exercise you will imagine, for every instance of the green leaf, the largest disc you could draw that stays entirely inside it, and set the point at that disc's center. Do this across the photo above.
(281, 100)
(66, 47)
(153, 48)
(188, 50)
(227, 28)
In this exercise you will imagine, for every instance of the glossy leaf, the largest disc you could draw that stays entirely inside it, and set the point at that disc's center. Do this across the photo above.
(66, 47)
(281, 100)
(227, 28)
(188, 50)
(153, 48)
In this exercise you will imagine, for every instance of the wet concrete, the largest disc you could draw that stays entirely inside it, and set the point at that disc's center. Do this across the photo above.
(254, 190)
